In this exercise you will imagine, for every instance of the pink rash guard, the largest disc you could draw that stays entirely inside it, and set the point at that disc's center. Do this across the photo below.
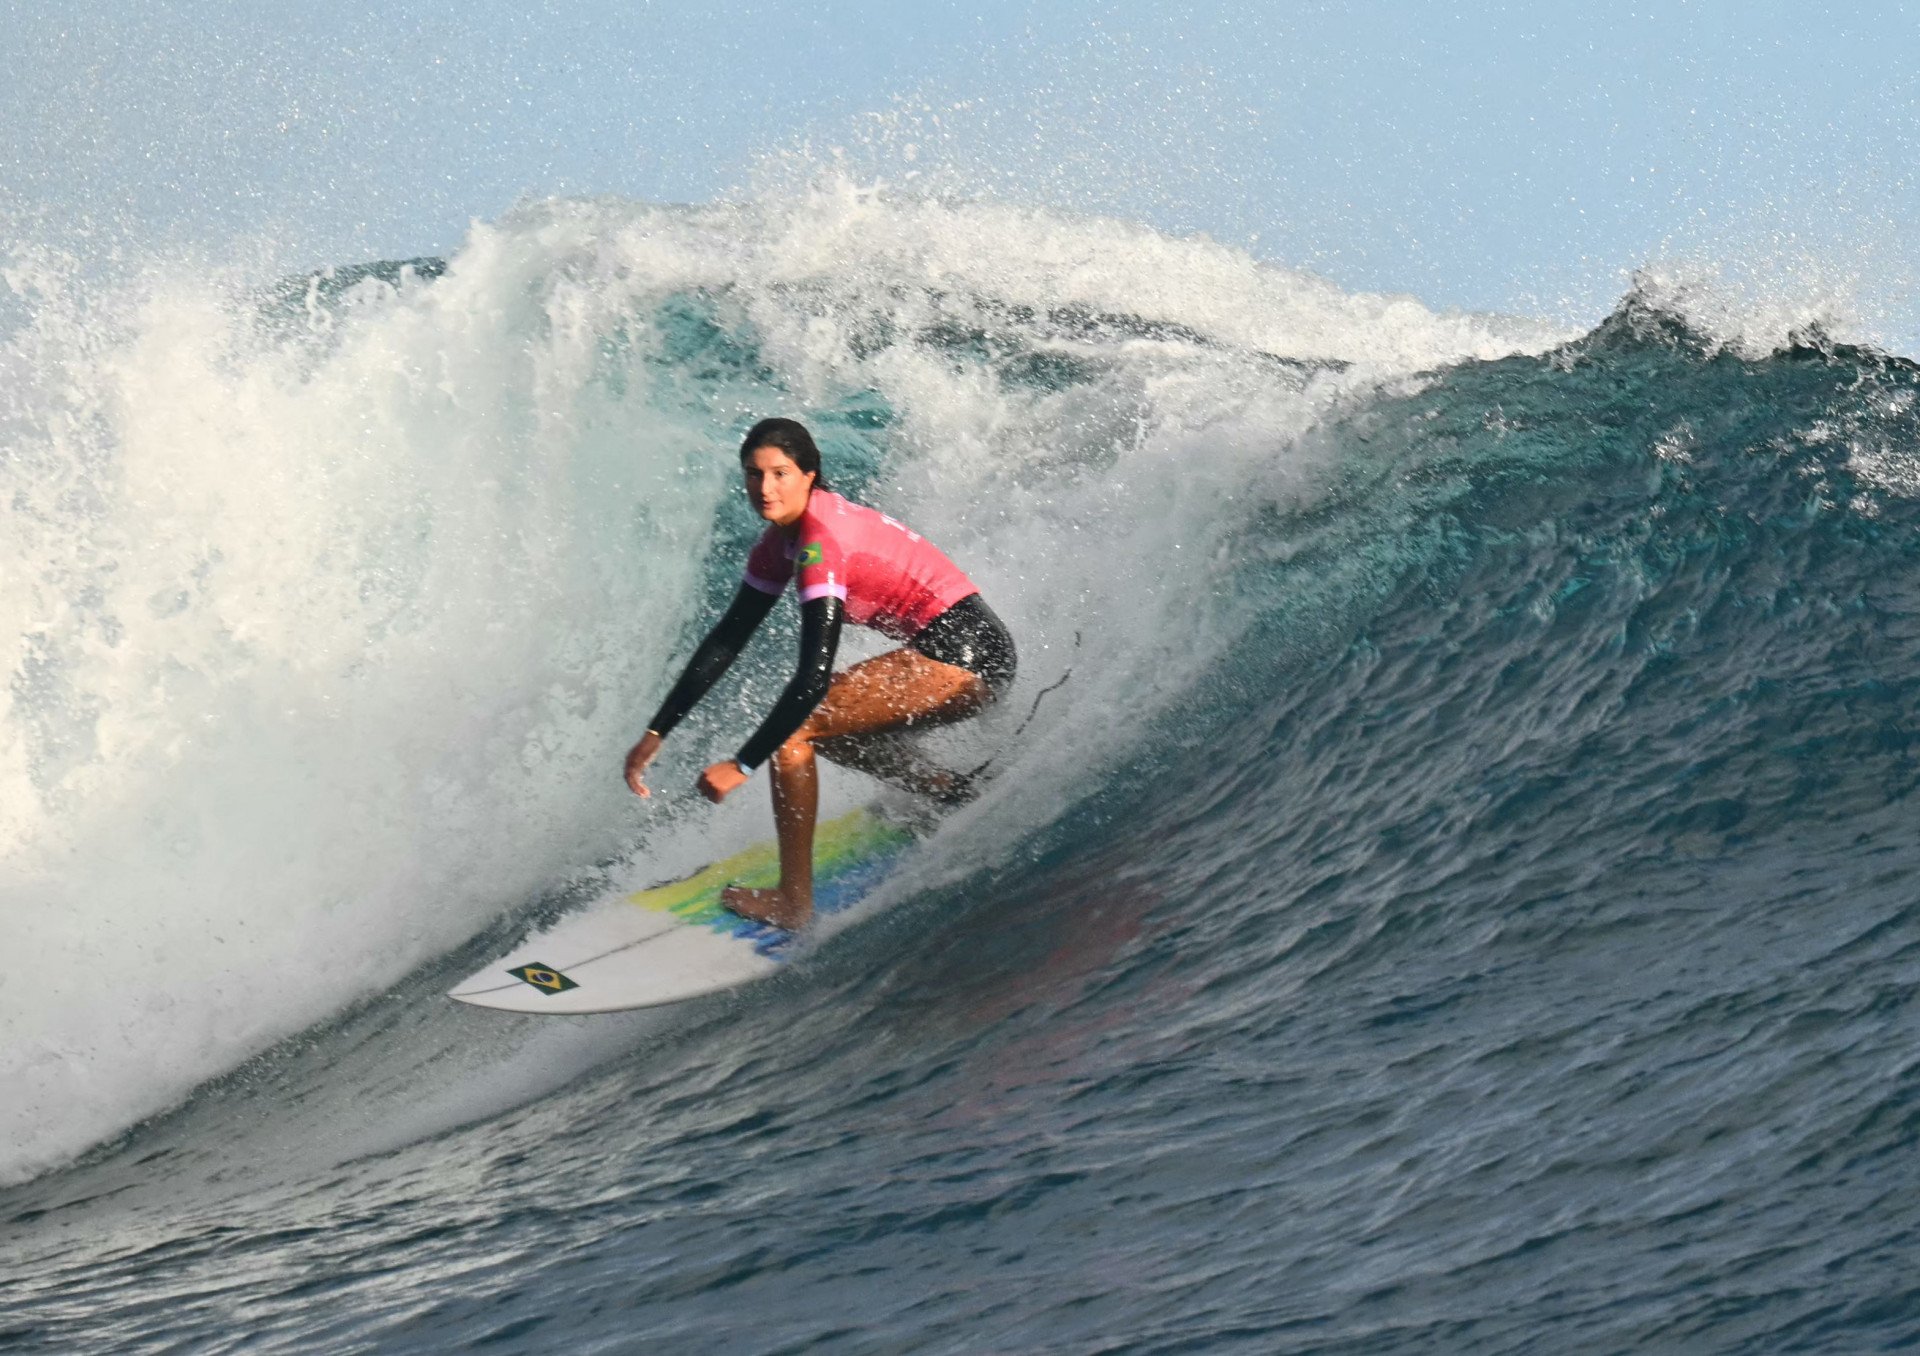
(891, 578)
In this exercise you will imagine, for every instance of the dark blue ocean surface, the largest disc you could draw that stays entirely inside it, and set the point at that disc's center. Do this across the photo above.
(1507, 942)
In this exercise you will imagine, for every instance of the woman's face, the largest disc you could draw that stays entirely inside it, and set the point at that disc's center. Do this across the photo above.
(776, 487)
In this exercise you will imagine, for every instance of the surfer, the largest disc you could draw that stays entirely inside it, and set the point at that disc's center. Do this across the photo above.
(855, 564)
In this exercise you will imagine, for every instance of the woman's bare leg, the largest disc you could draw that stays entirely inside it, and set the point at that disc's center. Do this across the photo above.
(888, 692)
(891, 756)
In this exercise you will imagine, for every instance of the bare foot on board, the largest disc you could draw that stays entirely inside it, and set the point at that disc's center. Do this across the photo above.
(765, 906)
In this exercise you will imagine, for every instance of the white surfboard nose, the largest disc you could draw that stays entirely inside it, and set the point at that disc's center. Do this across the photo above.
(674, 941)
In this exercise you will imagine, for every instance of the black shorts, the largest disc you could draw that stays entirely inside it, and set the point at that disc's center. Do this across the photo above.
(969, 635)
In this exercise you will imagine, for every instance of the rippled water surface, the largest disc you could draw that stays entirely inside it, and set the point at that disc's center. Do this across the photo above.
(1460, 899)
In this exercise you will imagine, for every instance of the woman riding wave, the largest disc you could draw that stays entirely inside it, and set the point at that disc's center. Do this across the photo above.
(851, 563)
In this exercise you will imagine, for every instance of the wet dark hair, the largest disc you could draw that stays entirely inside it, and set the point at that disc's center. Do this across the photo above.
(792, 438)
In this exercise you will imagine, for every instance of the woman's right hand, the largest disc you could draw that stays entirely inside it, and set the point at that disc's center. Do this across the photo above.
(637, 759)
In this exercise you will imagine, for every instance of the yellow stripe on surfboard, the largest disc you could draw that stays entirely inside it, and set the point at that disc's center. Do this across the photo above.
(853, 838)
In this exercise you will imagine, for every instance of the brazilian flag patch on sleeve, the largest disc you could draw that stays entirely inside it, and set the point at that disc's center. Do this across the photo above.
(543, 977)
(812, 553)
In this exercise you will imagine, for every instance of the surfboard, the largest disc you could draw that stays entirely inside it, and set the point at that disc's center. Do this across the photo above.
(673, 942)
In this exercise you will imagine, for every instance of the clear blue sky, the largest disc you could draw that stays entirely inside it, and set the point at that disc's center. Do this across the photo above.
(1482, 155)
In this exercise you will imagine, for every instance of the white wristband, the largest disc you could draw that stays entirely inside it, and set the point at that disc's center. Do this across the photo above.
(745, 771)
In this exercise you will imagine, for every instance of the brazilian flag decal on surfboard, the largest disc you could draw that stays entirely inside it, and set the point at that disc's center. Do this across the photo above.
(543, 977)
(673, 942)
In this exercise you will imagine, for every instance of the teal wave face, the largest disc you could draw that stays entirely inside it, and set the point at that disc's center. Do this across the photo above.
(1639, 604)
(1461, 882)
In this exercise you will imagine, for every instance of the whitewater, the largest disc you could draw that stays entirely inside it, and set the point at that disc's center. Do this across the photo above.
(1457, 894)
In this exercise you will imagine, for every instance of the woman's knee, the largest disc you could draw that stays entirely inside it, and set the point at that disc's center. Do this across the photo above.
(796, 752)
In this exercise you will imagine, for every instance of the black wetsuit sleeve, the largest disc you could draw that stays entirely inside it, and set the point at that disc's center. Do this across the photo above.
(715, 655)
(819, 639)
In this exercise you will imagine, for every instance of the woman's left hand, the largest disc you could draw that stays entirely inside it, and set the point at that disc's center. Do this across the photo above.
(719, 779)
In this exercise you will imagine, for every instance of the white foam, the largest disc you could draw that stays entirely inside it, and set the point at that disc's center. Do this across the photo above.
(1778, 291)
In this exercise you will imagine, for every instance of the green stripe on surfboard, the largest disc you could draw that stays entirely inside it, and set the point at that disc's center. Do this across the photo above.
(838, 845)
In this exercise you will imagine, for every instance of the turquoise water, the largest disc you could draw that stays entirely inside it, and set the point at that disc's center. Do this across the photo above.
(1462, 898)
